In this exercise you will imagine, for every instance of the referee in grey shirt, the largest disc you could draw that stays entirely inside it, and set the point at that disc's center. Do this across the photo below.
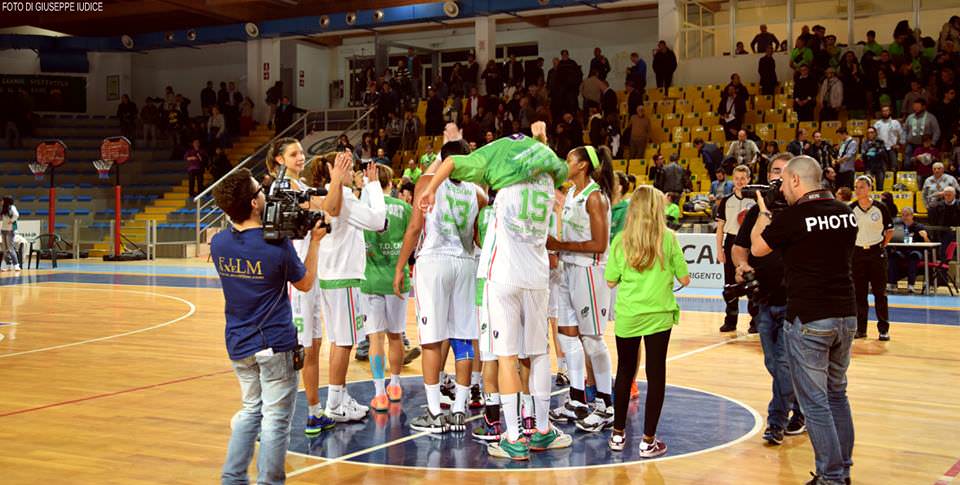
(874, 230)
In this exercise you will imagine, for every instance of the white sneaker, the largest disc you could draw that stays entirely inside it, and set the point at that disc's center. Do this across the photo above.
(16, 267)
(346, 412)
(600, 419)
(353, 402)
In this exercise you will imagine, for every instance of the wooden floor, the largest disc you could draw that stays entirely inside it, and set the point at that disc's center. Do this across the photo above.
(131, 384)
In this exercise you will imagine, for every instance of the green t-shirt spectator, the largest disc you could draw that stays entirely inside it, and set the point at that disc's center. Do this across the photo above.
(412, 173)
(801, 57)
(673, 211)
(874, 47)
(895, 50)
(618, 217)
(645, 301)
(426, 159)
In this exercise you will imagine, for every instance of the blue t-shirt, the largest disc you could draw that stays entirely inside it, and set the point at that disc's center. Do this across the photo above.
(254, 276)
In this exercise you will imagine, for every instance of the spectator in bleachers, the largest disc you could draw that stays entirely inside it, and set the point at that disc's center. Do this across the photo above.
(574, 129)
(743, 94)
(609, 103)
(380, 139)
(935, 185)
(886, 199)
(801, 55)
(246, 116)
(196, 163)
(768, 153)
(434, 116)
(394, 133)
(216, 128)
(600, 64)
(767, 69)
(634, 98)
(149, 119)
(595, 127)
(220, 165)
(471, 73)
(286, 113)
(416, 72)
(740, 50)
(527, 115)
(923, 158)
(533, 74)
(639, 130)
(182, 104)
(919, 123)
(821, 150)
(664, 65)
(711, 155)
(890, 132)
(917, 91)
(637, 72)
(874, 154)
(845, 195)
(854, 93)
(744, 151)
(208, 98)
(905, 260)
(471, 129)
(653, 173)
(800, 144)
(382, 158)
(590, 90)
(830, 96)
(846, 161)
(763, 40)
(885, 90)
(412, 172)
(503, 119)
(949, 33)
(411, 130)
(127, 114)
(371, 99)
(366, 149)
(946, 113)
(561, 142)
(732, 111)
(404, 82)
(474, 102)
(569, 75)
(805, 94)
(492, 79)
(275, 92)
(871, 44)
(169, 97)
(818, 39)
(829, 54)
(671, 178)
(946, 213)
(488, 137)
(720, 187)
(231, 112)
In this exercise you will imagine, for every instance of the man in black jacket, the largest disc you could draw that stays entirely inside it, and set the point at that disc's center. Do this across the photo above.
(664, 65)
(600, 64)
(805, 94)
(634, 98)
(609, 103)
(434, 125)
(208, 98)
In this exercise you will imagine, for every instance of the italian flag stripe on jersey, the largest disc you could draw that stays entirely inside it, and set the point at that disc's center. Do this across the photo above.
(593, 301)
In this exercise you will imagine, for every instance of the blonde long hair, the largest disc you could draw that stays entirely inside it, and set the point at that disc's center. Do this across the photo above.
(645, 228)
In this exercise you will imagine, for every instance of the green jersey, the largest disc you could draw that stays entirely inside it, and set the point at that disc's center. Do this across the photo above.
(618, 217)
(412, 174)
(383, 249)
(483, 222)
(509, 161)
(427, 159)
(801, 57)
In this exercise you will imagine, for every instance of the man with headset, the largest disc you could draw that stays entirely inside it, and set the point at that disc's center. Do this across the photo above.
(260, 336)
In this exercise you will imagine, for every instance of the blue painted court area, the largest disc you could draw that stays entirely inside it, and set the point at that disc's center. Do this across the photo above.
(692, 421)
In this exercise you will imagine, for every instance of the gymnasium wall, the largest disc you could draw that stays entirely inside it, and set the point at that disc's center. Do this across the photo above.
(188, 70)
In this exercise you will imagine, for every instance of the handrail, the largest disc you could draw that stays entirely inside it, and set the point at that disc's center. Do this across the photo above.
(298, 127)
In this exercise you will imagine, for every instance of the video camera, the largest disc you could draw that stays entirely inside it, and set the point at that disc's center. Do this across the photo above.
(283, 218)
(772, 196)
(750, 288)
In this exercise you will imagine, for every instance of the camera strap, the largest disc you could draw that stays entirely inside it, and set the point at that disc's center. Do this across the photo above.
(816, 195)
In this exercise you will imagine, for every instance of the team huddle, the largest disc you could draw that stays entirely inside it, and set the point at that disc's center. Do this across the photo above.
(503, 260)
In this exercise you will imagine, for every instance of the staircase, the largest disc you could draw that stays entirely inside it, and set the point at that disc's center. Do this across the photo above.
(178, 196)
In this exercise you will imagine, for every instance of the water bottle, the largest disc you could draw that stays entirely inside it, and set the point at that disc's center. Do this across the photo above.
(908, 238)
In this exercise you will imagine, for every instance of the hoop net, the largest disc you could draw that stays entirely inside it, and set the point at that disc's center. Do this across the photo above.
(38, 169)
(103, 168)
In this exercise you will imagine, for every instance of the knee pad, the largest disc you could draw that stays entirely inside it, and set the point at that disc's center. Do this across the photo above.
(462, 349)
(596, 349)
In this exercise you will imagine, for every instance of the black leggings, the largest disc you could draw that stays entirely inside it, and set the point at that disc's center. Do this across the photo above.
(628, 355)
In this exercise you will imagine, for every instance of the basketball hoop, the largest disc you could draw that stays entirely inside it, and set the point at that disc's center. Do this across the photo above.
(103, 168)
(38, 169)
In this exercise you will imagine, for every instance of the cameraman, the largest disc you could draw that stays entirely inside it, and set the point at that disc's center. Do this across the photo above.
(260, 338)
(816, 236)
(771, 297)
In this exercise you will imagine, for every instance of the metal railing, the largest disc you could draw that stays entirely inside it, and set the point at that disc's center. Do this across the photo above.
(342, 120)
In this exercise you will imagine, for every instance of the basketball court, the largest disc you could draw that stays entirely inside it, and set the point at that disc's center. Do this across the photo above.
(118, 374)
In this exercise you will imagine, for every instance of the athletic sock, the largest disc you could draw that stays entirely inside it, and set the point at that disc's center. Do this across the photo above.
(606, 399)
(542, 413)
(492, 411)
(460, 403)
(334, 396)
(433, 398)
(578, 395)
(527, 405)
(376, 367)
(316, 409)
(395, 379)
(475, 378)
(591, 393)
(511, 414)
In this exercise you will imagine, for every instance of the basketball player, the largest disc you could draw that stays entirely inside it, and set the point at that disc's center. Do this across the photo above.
(584, 298)
(514, 262)
(382, 310)
(342, 266)
(445, 282)
(492, 428)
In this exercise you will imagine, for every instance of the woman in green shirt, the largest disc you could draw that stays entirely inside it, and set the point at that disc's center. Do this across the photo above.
(644, 260)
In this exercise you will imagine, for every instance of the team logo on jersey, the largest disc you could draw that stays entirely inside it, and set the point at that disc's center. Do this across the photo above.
(603, 312)
(298, 322)
(359, 321)
(423, 320)
(585, 312)
(496, 333)
(517, 136)
(483, 328)
(875, 217)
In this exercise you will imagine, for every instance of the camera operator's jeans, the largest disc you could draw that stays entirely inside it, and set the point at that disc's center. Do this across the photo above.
(770, 322)
(819, 354)
(268, 386)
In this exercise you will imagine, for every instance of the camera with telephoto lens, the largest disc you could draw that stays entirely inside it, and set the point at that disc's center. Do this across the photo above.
(749, 288)
(283, 218)
(772, 196)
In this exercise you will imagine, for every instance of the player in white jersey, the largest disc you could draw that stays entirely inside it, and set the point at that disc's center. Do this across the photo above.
(584, 296)
(556, 276)
(445, 281)
(515, 266)
(288, 153)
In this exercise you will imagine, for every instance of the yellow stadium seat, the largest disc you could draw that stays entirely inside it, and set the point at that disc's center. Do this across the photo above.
(857, 127)
(903, 199)
(810, 126)
(763, 103)
(665, 106)
(753, 89)
(675, 92)
(681, 134)
(687, 150)
(693, 93)
(887, 181)
(703, 106)
(682, 106)
(691, 120)
(753, 116)
(661, 136)
(652, 149)
(717, 135)
(791, 116)
(654, 94)
(786, 131)
(783, 101)
(908, 179)
(701, 132)
(620, 165)
(710, 118)
(773, 115)
(656, 122)
(667, 149)
(766, 131)
(920, 205)
(670, 121)
(829, 131)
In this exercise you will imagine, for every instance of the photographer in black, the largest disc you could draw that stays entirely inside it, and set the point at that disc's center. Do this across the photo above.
(762, 279)
(816, 235)
(260, 336)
